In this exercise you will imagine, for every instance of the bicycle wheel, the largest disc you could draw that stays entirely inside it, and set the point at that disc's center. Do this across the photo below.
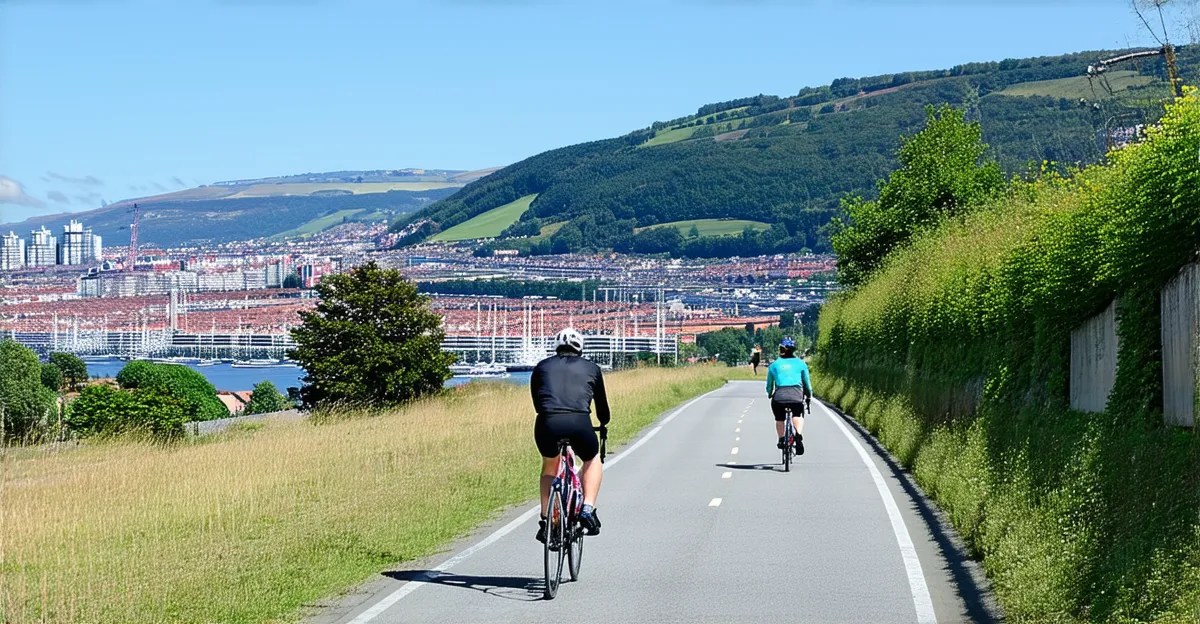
(574, 549)
(787, 443)
(555, 522)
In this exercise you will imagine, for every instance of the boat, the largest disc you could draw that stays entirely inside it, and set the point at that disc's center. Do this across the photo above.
(481, 371)
(207, 362)
(258, 364)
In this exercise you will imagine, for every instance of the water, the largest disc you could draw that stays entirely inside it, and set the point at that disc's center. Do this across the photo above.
(226, 377)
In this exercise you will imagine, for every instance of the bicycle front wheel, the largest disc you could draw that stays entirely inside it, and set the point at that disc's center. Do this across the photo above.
(575, 549)
(556, 520)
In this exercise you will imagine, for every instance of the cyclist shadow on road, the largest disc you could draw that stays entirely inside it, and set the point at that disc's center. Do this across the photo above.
(523, 588)
(763, 467)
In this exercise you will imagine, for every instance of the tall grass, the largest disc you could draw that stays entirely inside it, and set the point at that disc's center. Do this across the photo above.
(250, 525)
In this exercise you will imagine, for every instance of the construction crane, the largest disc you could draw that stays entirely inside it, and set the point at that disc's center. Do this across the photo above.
(1167, 52)
(133, 229)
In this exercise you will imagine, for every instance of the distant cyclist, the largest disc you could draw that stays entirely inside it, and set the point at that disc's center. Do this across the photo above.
(788, 386)
(563, 387)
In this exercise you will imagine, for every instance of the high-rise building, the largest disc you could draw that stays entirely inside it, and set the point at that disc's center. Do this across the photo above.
(77, 245)
(12, 252)
(42, 248)
(97, 249)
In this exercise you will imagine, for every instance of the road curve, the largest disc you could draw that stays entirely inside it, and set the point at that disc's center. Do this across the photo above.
(702, 525)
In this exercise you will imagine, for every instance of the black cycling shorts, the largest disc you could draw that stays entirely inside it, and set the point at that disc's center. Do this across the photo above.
(792, 397)
(549, 429)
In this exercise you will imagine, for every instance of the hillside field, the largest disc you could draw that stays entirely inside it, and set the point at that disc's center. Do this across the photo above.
(489, 224)
(712, 227)
(272, 190)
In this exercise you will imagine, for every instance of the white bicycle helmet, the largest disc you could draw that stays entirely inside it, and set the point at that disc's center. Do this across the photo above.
(570, 339)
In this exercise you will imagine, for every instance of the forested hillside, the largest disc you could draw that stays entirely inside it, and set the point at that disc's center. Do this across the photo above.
(789, 161)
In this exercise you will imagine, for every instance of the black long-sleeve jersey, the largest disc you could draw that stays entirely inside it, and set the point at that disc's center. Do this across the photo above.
(567, 384)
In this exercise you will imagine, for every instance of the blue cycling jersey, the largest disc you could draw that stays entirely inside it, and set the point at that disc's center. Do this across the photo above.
(786, 372)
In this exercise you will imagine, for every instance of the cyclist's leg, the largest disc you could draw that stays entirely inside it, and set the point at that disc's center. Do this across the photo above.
(587, 446)
(779, 411)
(547, 445)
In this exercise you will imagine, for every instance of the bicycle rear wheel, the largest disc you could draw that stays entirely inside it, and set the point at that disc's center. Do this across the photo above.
(555, 537)
(788, 435)
(574, 549)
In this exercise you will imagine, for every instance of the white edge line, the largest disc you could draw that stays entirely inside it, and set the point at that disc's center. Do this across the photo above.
(912, 564)
(413, 585)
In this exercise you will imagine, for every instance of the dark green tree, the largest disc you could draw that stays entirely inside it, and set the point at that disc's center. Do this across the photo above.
(694, 232)
(943, 172)
(292, 280)
(25, 403)
(74, 370)
(372, 340)
(266, 399)
(52, 377)
(729, 345)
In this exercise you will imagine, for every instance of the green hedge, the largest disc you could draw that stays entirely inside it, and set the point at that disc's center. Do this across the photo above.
(195, 394)
(957, 354)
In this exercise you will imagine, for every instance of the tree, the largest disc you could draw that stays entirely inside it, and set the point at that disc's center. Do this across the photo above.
(372, 340)
(52, 377)
(74, 370)
(942, 173)
(727, 344)
(195, 394)
(266, 399)
(694, 232)
(292, 280)
(24, 402)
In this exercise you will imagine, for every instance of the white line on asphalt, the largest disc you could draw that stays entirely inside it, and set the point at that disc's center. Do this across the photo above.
(730, 463)
(912, 564)
(738, 430)
(737, 439)
(413, 585)
(726, 475)
(734, 451)
(716, 502)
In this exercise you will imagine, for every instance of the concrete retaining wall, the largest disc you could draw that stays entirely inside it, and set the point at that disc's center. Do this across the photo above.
(1180, 325)
(1094, 361)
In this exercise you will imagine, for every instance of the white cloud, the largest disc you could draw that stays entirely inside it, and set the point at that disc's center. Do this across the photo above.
(11, 192)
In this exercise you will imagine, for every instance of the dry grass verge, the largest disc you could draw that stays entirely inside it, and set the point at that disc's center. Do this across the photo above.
(251, 524)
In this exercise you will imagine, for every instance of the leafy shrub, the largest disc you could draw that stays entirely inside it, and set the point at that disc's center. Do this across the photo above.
(266, 399)
(102, 409)
(25, 404)
(196, 395)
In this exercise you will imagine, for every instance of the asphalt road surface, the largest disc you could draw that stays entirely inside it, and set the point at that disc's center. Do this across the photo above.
(701, 524)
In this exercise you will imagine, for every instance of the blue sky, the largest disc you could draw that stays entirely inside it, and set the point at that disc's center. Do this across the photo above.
(108, 100)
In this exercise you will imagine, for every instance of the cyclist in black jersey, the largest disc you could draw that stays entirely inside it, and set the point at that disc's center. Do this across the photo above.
(563, 388)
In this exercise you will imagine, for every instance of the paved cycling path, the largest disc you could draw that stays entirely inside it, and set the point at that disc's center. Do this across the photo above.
(702, 525)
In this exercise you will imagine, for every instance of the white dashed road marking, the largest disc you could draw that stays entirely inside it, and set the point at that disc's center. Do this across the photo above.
(734, 451)
(726, 475)
(716, 502)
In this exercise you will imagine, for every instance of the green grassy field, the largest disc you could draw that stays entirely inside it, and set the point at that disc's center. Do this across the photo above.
(712, 227)
(548, 230)
(673, 135)
(265, 190)
(1078, 87)
(488, 224)
(321, 223)
(253, 524)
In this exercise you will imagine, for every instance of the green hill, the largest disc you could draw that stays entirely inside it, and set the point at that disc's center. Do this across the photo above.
(787, 161)
(488, 224)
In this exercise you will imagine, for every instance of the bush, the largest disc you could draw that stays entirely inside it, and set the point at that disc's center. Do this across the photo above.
(25, 404)
(102, 409)
(266, 399)
(195, 394)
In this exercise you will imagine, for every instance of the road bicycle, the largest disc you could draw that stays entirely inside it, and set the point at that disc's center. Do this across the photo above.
(564, 535)
(789, 438)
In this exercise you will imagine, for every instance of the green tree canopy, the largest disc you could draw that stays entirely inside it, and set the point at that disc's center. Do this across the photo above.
(24, 402)
(943, 172)
(372, 340)
(52, 377)
(266, 399)
(729, 345)
(74, 370)
(196, 395)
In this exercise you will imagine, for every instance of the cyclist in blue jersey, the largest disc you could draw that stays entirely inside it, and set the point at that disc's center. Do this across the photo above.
(788, 386)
